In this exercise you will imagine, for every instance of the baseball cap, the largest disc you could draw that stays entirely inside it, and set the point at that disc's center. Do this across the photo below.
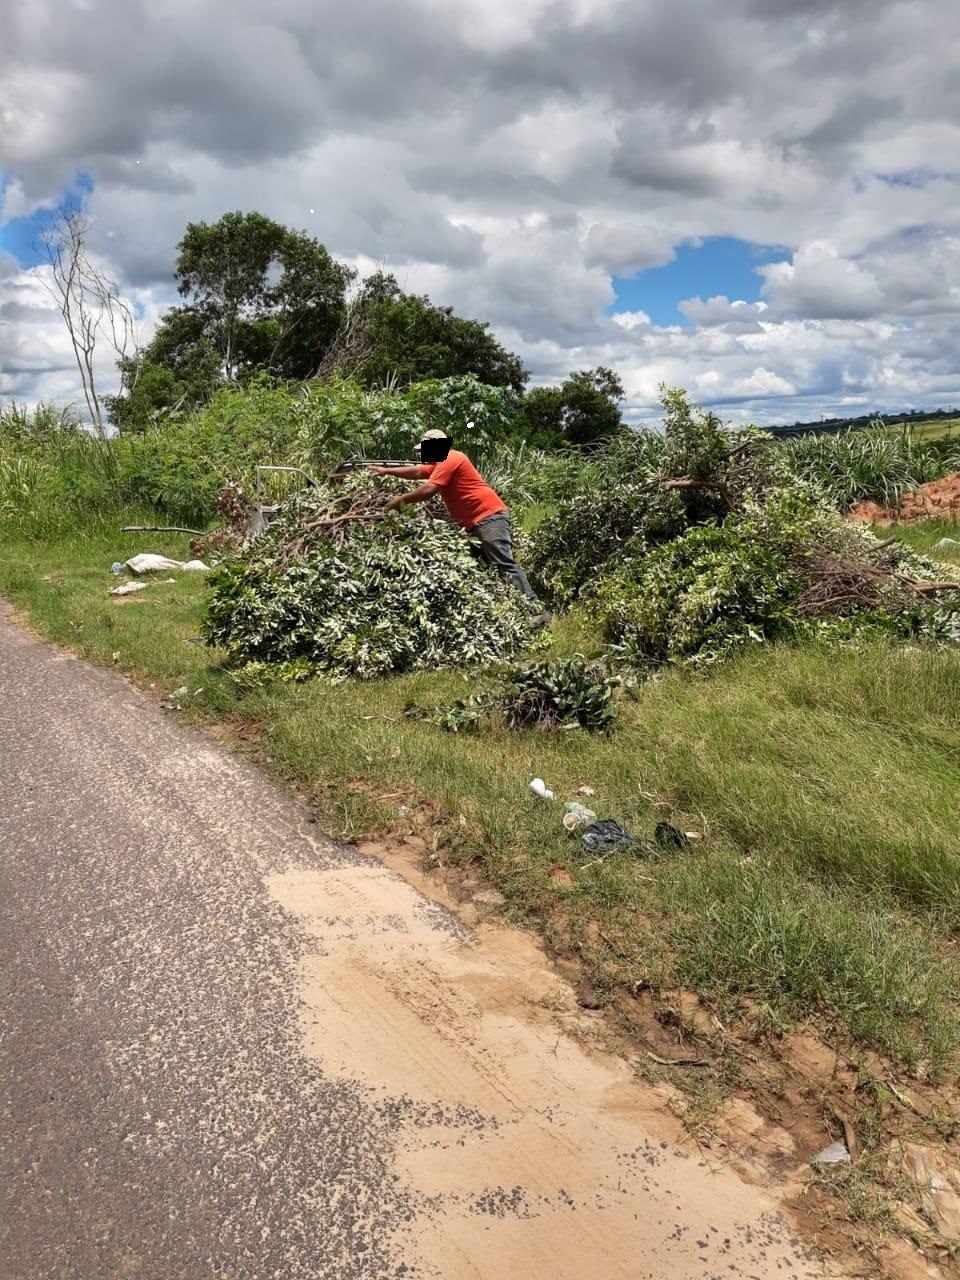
(430, 435)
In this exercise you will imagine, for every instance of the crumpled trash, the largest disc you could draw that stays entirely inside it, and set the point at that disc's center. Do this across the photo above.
(128, 587)
(575, 815)
(836, 1153)
(540, 788)
(947, 544)
(665, 834)
(605, 836)
(147, 562)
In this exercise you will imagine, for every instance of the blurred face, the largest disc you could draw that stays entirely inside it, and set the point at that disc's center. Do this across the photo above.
(434, 450)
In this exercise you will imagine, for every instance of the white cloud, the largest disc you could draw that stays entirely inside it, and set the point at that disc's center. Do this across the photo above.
(508, 156)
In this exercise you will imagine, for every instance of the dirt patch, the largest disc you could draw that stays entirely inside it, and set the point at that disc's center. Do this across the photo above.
(544, 1156)
(760, 1101)
(241, 734)
(938, 500)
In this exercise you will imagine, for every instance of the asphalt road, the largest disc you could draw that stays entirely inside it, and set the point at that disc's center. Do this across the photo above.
(232, 1048)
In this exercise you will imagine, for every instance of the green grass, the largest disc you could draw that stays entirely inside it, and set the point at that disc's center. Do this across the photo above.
(923, 535)
(825, 784)
(942, 429)
(877, 463)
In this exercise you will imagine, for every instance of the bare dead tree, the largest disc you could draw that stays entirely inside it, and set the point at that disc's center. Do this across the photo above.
(89, 302)
(352, 345)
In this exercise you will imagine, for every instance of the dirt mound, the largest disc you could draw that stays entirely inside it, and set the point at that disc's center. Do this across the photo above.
(940, 499)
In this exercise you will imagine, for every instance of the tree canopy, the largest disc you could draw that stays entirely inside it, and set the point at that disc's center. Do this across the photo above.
(260, 299)
(583, 409)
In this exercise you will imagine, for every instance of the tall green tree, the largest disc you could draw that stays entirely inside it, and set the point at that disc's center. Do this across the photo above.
(583, 409)
(274, 297)
(261, 298)
(258, 296)
(408, 338)
(179, 369)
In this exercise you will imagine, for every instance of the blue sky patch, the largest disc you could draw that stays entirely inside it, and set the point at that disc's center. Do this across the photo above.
(700, 269)
(21, 236)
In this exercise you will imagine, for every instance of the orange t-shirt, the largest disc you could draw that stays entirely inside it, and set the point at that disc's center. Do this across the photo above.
(465, 493)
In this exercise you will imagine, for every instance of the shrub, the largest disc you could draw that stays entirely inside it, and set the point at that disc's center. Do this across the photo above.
(870, 464)
(567, 694)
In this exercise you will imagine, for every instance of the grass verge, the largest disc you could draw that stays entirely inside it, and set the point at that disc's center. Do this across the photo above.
(827, 884)
(923, 536)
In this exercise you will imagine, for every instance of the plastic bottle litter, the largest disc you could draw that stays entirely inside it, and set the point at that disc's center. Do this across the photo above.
(576, 815)
(947, 544)
(540, 788)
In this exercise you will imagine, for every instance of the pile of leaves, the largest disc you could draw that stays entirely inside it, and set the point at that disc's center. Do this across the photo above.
(340, 584)
(543, 694)
(722, 545)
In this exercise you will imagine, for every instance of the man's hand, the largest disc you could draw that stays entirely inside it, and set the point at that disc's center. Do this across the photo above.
(394, 503)
(381, 471)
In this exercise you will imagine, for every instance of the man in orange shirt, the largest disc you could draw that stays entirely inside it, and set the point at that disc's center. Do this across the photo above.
(470, 501)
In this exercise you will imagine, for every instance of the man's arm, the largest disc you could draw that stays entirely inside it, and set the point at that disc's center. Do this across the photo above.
(405, 473)
(415, 495)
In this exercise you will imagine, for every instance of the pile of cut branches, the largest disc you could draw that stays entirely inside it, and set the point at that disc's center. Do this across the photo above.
(844, 582)
(357, 592)
(721, 545)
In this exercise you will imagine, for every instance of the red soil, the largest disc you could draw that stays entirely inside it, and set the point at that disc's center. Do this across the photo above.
(939, 500)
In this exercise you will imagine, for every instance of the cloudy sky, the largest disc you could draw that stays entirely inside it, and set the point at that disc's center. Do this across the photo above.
(758, 200)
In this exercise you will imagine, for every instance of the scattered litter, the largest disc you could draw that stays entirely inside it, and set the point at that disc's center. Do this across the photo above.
(694, 835)
(539, 788)
(128, 587)
(678, 1062)
(947, 544)
(181, 692)
(116, 567)
(576, 815)
(574, 806)
(665, 834)
(605, 836)
(836, 1153)
(586, 791)
(150, 563)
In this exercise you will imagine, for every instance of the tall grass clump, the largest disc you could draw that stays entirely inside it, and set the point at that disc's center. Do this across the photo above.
(54, 475)
(871, 464)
